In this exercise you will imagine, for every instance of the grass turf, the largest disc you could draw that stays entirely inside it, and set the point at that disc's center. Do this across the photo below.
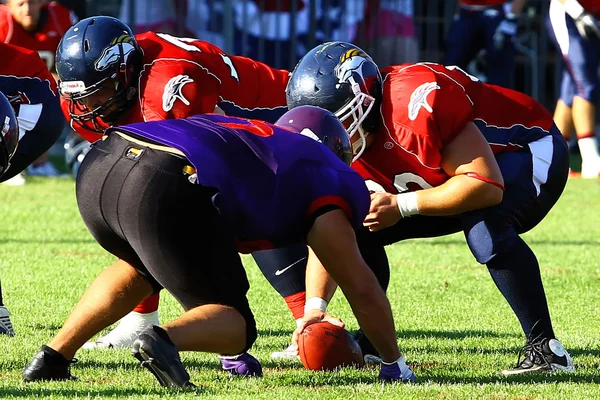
(453, 325)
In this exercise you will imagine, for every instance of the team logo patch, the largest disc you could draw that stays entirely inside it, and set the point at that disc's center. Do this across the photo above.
(418, 99)
(112, 54)
(173, 91)
(351, 62)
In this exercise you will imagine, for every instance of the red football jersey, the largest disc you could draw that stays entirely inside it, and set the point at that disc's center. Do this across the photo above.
(24, 63)
(56, 20)
(424, 107)
(183, 77)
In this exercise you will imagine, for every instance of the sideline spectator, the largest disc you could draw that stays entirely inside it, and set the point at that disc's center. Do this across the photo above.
(150, 15)
(481, 24)
(574, 28)
(388, 32)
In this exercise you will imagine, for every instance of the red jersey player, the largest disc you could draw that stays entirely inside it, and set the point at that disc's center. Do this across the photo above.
(35, 25)
(444, 153)
(110, 77)
(31, 91)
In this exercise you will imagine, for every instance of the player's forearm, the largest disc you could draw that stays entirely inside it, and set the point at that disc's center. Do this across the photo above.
(374, 315)
(319, 284)
(459, 194)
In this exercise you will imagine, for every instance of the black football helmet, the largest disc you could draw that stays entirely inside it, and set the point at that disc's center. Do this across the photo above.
(343, 79)
(98, 53)
(9, 133)
(320, 125)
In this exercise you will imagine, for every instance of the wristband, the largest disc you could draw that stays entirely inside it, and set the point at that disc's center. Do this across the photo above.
(315, 303)
(573, 8)
(407, 204)
(511, 16)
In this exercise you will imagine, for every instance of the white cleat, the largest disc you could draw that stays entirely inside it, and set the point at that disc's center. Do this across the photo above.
(289, 353)
(6, 327)
(17, 180)
(126, 332)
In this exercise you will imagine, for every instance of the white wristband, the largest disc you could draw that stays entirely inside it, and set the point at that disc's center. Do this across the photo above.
(573, 8)
(407, 204)
(315, 303)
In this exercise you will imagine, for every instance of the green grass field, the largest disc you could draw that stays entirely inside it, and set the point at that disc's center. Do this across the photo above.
(453, 325)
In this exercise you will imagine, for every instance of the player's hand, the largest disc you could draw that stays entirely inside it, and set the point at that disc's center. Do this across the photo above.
(312, 317)
(506, 31)
(383, 212)
(587, 26)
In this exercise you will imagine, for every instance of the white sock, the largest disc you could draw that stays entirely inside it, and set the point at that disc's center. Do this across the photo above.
(588, 147)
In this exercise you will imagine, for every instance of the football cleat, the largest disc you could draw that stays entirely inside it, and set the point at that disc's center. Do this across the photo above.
(545, 355)
(397, 371)
(48, 365)
(126, 332)
(241, 365)
(161, 358)
(289, 353)
(6, 327)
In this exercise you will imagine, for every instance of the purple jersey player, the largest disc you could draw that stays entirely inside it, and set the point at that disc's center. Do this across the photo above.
(177, 200)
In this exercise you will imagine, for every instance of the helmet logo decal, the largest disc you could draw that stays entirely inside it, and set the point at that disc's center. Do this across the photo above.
(173, 91)
(418, 99)
(350, 62)
(112, 54)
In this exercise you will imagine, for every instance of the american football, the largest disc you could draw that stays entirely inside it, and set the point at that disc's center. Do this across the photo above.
(325, 347)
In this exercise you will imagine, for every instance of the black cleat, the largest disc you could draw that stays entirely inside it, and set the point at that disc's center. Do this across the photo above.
(370, 354)
(48, 365)
(161, 358)
(545, 355)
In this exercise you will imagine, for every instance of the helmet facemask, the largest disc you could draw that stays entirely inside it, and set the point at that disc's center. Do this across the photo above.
(358, 108)
(109, 112)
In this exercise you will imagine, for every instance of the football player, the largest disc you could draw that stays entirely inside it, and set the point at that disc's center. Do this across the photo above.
(576, 33)
(110, 77)
(211, 186)
(31, 91)
(484, 24)
(39, 26)
(442, 152)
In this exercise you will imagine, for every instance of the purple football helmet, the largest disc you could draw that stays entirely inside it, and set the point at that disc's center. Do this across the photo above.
(320, 125)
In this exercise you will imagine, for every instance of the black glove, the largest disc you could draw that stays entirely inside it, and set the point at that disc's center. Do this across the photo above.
(587, 26)
(506, 31)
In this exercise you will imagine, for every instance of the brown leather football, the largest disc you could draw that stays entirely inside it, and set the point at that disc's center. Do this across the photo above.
(325, 347)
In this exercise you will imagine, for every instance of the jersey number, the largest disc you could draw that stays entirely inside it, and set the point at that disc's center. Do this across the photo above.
(401, 182)
(183, 43)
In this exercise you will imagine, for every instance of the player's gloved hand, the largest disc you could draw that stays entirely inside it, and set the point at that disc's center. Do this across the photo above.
(506, 31)
(312, 317)
(396, 371)
(587, 26)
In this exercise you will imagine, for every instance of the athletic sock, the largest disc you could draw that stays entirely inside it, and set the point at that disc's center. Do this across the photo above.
(148, 305)
(295, 303)
(516, 273)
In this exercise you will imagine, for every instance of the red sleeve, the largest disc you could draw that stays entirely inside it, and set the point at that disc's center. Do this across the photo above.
(251, 84)
(424, 110)
(177, 89)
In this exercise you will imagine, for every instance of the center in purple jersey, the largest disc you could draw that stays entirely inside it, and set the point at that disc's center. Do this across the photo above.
(270, 180)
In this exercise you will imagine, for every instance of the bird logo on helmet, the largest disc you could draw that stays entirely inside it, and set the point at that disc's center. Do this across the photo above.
(343, 79)
(112, 54)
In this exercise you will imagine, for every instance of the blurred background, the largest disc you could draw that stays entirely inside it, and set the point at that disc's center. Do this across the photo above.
(278, 32)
